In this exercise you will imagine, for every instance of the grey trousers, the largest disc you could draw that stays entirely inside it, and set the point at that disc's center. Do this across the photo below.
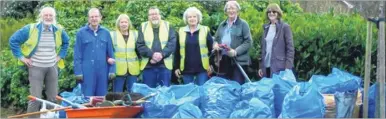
(39, 78)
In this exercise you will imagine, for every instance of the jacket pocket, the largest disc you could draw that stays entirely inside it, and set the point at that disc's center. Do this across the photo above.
(86, 41)
(281, 58)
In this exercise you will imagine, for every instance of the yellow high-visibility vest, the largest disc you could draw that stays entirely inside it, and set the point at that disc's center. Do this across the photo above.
(126, 59)
(147, 31)
(31, 43)
(202, 42)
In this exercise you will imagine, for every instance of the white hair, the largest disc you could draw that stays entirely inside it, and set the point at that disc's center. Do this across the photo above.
(234, 3)
(52, 10)
(192, 10)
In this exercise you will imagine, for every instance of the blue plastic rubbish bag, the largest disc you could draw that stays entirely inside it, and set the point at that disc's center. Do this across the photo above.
(373, 94)
(338, 80)
(75, 96)
(283, 83)
(303, 101)
(251, 109)
(168, 99)
(220, 97)
(142, 89)
(345, 103)
(261, 90)
(188, 110)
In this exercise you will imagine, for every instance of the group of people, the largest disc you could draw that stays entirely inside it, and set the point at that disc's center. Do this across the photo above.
(155, 49)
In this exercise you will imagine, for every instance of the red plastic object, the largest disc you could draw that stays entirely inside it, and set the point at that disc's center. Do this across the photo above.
(105, 112)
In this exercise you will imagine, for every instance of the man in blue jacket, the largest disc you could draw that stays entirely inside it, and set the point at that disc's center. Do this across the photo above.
(93, 49)
(41, 47)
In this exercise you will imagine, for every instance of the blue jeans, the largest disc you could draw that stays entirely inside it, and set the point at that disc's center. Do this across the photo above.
(198, 79)
(119, 83)
(156, 75)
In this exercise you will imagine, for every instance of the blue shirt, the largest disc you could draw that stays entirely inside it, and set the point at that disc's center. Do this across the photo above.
(92, 50)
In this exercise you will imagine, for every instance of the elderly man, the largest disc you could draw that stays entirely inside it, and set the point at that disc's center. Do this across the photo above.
(93, 46)
(41, 47)
(156, 43)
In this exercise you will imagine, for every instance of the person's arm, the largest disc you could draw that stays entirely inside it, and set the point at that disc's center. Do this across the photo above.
(65, 43)
(177, 55)
(290, 50)
(247, 40)
(171, 45)
(142, 48)
(78, 55)
(209, 42)
(17, 39)
(110, 53)
(262, 50)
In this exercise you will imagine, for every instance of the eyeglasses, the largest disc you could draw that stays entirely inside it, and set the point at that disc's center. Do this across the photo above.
(271, 12)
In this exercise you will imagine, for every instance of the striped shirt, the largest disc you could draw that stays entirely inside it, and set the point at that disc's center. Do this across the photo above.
(45, 55)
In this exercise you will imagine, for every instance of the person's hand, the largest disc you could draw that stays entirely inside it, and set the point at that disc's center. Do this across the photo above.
(111, 61)
(210, 70)
(152, 61)
(111, 76)
(178, 73)
(216, 47)
(27, 61)
(79, 77)
(260, 73)
(157, 56)
(232, 53)
(58, 58)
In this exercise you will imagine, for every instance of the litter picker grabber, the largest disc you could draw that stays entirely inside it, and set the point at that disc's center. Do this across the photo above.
(33, 98)
(74, 105)
(242, 70)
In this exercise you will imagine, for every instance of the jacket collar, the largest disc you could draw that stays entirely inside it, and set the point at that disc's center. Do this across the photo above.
(88, 27)
(278, 24)
(237, 21)
(40, 27)
(187, 29)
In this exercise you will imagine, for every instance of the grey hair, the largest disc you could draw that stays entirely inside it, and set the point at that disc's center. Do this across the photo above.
(155, 8)
(51, 9)
(194, 10)
(232, 2)
(94, 9)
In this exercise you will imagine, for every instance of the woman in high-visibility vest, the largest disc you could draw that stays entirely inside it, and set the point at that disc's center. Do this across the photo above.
(126, 58)
(193, 49)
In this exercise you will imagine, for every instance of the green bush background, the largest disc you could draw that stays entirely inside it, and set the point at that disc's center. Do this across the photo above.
(322, 41)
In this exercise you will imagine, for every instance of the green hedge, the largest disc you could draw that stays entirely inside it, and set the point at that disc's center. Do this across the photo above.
(322, 41)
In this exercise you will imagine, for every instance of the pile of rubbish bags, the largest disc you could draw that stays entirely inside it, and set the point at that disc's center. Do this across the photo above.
(278, 97)
(337, 95)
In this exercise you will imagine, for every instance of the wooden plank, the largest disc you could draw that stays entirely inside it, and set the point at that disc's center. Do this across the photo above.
(367, 69)
(381, 59)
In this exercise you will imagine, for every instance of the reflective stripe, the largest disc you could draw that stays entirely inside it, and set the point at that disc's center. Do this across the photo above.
(124, 60)
(164, 42)
(123, 49)
(202, 56)
(148, 43)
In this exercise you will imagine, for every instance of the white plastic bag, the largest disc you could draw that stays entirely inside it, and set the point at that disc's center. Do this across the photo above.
(48, 114)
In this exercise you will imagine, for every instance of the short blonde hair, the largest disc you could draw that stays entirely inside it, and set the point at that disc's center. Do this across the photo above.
(51, 9)
(122, 16)
(194, 10)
